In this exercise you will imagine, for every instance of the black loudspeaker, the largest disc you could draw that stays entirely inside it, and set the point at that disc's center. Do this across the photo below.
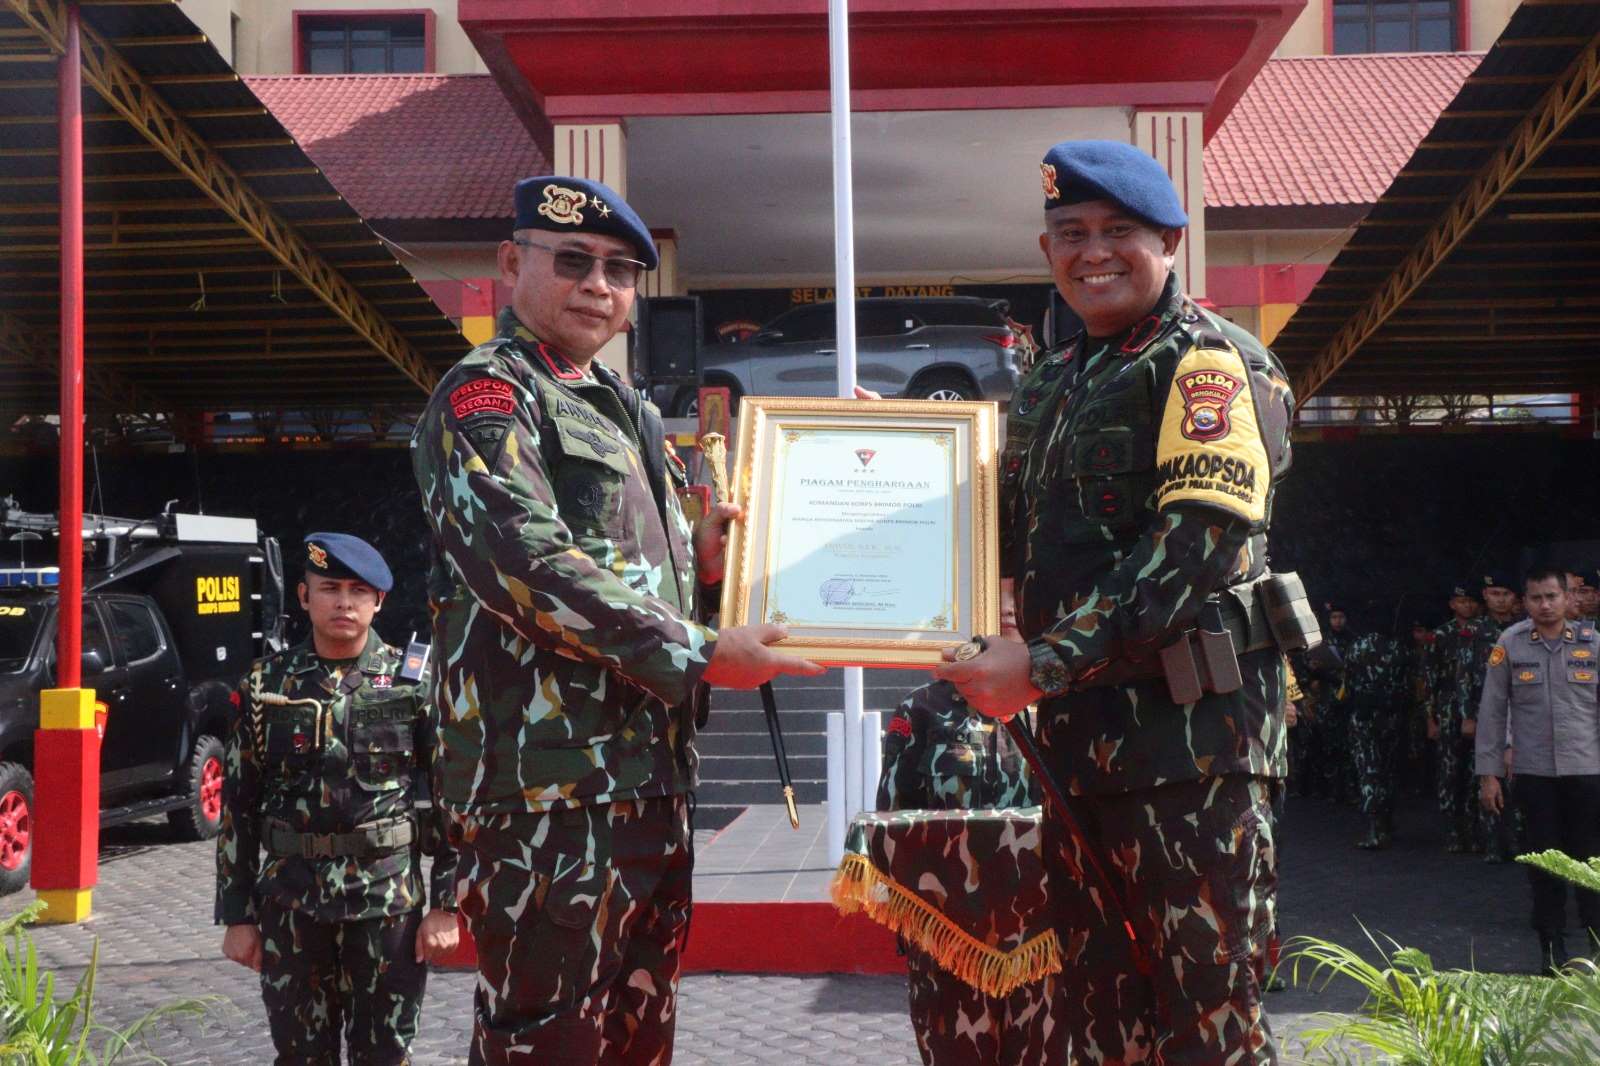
(1064, 321)
(667, 350)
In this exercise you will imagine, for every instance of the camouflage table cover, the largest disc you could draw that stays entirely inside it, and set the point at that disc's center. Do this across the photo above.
(965, 887)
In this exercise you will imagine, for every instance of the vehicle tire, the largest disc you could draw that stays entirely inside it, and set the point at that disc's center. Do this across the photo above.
(943, 386)
(16, 827)
(686, 404)
(201, 817)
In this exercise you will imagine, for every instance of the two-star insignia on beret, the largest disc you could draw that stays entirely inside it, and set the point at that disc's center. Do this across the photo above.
(601, 207)
(317, 555)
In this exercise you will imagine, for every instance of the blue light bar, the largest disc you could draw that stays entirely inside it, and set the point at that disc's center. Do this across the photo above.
(30, 577)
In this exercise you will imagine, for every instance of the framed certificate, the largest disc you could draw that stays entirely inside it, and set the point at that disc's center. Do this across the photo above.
(869, 527)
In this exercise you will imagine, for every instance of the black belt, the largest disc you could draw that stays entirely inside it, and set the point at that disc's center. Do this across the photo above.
(365, 842)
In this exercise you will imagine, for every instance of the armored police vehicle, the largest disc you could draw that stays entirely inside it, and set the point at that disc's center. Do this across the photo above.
(174, 610)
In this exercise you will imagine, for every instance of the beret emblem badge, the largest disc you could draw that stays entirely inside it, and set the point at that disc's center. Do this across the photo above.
(1047, 172)
(563, 205)
(318, 556)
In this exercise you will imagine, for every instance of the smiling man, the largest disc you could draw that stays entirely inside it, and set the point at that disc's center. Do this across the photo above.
(1136, 511)
(566, 585)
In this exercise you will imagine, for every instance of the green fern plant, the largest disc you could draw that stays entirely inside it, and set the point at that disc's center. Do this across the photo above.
(1416, 1015)
(37, 1029)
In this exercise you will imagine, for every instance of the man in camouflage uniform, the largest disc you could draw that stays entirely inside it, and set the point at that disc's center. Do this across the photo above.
(1375, 677)
(1501, 830)
(325, 761)
(1141, 509)
(1336, 763)
(564, 592)
(1455, 685)
(1422, 746)
(940, 754)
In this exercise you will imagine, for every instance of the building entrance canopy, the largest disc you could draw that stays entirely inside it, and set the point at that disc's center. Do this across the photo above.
(721, 130)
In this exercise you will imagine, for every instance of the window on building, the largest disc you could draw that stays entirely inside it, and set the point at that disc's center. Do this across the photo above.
(363, 44)
(1394, 26)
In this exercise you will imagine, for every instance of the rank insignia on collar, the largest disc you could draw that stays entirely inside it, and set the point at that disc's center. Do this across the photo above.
(318, 556)
(563, 370)
(1142, 335)
(563, 205)
(1047, 173)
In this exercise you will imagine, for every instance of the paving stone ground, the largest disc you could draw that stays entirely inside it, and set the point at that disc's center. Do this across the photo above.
(153, 920)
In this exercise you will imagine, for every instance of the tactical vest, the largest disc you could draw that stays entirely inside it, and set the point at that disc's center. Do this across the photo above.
(1088, 481)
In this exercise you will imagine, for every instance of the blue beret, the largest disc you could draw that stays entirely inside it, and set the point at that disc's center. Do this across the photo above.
(1075, 171)
(1499, 579)
(577, 205)
(347, 558)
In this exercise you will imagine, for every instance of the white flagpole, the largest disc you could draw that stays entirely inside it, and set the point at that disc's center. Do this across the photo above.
(844, 288)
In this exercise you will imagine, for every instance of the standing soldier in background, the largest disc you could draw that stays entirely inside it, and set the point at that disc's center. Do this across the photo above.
(325, 759)
(1337, 755)
(1500, 830)
(1422, 731)
(1375, 675)
(941, 754)
(1455, 678)
(1140, 513)
(565, 586)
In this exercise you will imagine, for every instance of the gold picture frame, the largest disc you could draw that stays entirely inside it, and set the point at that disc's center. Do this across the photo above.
(870, 526)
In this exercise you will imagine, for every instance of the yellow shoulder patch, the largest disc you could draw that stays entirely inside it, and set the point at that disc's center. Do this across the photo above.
(1210, 449)
(1497, 656)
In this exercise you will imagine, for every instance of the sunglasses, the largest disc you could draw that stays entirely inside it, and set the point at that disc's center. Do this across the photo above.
(573, 265)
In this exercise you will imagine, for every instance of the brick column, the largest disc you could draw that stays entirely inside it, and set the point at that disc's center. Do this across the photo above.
(1174, 139)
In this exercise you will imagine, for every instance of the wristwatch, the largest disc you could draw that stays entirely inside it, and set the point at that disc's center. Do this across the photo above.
(1047, 671)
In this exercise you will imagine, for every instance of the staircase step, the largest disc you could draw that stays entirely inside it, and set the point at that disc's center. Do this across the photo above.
(797, 743)
(761, 767)
(744, 793)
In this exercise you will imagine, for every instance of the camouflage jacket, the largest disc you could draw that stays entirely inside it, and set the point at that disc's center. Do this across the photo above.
(562, 584)
(1376, 673)
(360, 757)
(1457, 662)
(1146, 487)
(939, 754)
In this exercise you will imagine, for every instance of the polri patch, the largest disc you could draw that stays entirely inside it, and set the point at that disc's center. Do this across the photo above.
(1207, 396)
(482, 395)
(1497, 656)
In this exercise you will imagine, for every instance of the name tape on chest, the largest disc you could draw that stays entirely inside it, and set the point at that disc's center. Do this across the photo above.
(1210, 449)
(482, 395)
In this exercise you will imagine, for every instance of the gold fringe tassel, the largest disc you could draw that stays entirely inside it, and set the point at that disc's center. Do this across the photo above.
(859, 886)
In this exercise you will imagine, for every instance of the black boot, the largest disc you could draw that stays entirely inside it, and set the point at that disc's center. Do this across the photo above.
(1553, 953)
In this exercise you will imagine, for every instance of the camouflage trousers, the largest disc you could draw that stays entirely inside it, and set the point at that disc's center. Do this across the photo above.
(1196, 865)
(1458, 787)
(323, 979)
(957, 1025)
(578, 916)
(1337, 765)
(1377, 737)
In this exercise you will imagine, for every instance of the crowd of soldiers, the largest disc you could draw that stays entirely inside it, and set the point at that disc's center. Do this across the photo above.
(1396, 713)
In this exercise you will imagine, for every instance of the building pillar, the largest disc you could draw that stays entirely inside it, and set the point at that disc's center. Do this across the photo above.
(1174, 139)
(477, 309)
(663, 280)
(597, 150)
